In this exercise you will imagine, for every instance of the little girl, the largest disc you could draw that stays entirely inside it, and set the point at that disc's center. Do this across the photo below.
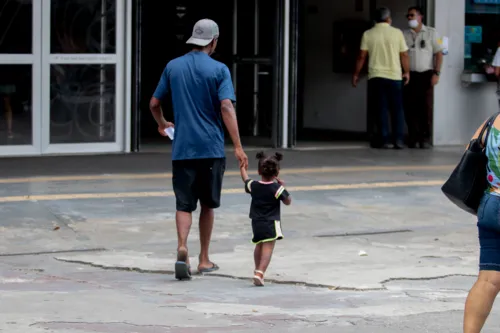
(265, 210)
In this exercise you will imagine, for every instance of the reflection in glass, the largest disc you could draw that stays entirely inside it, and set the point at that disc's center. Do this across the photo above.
(15, 105)
(83, 26)
(16, 26)
(82, 106)
(481, 35)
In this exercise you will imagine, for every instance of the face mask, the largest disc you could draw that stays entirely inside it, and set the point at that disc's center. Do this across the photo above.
(413, 23)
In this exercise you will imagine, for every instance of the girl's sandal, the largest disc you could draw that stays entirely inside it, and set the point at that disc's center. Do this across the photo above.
(258, 278)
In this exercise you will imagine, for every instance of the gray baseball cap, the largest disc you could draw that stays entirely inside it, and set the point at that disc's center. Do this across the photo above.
(204, 32)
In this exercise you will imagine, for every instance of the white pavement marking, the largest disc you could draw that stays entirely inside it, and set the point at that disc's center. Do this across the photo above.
(168, 175)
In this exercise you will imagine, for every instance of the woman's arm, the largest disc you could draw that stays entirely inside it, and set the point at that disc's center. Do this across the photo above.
(478, 131)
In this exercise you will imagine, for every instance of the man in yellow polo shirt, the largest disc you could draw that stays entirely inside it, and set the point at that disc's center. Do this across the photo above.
(387, 51)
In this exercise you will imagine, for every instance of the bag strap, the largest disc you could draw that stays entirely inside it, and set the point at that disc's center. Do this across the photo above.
(487, 128)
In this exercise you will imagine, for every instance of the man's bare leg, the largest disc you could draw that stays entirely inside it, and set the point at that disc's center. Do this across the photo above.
(183, 221)
(206, 227)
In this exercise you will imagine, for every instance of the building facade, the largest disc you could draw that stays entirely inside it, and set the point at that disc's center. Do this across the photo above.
(75, 75)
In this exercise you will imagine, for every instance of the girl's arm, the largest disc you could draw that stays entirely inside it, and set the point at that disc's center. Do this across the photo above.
(248, 182)
(244, 174)
(284, 196)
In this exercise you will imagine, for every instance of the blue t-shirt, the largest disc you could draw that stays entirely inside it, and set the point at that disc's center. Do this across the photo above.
(197, 84)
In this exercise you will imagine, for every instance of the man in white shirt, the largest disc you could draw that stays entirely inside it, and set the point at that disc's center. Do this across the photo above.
(426, 58)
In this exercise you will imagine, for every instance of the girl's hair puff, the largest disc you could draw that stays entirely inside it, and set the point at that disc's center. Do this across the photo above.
(269, 165)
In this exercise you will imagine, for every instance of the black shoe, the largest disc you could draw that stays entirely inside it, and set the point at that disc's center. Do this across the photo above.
(425, 145)
(386, 146)
(412, 145)
(399, 145)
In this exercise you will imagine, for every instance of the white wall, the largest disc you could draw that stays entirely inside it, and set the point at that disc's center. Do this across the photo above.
(329, 100)
(458, 110)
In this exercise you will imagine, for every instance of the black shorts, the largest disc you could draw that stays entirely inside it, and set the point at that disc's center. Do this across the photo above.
(266, 231)
(195, 180)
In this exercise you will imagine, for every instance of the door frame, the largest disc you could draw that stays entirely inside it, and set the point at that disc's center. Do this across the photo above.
(33, 59)
(48, 59)
(295, 7)
(275, 60)
(423, 4)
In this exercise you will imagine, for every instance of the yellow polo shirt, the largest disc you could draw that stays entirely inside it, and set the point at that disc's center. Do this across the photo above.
(384, 45)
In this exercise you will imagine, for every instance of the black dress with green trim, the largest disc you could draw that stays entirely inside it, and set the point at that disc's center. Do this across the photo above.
(265, 209)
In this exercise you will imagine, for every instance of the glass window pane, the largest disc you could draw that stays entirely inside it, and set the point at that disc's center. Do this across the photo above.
(481, 35)
(16, 26)
(83, 26)
(15, 105)
(82, 106)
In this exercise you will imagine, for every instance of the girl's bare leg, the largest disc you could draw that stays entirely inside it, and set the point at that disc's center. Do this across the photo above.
(266, 255)
(257, 253)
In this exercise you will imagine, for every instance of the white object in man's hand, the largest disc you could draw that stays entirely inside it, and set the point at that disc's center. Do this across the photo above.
(169, 131)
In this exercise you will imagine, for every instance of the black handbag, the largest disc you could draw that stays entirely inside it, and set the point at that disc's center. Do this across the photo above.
(467, 183)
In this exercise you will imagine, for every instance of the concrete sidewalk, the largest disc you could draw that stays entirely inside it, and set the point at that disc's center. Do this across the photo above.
(78, 260)
(161, 162)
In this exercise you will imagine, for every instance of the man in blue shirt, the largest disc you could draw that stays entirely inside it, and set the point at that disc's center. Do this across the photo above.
(202, 96)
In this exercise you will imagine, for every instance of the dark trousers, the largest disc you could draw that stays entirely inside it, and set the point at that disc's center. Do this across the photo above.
(418, 104)
(385, 97)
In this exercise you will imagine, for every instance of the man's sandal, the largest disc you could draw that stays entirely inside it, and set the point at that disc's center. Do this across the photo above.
(182, 268)
(258, 278)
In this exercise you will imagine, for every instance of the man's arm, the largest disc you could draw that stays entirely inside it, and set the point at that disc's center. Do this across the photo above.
(405, 61)
(438, 61)
(360, 62)
(404, 57)
(160, 93)
(437, 49)
(155, 107)
(226, 98)
(231, 122)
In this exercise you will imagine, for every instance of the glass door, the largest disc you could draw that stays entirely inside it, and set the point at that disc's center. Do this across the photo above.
(83, 76)
(20, 46)
(256, 69)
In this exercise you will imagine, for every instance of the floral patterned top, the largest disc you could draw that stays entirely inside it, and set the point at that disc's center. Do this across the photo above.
(493, 165)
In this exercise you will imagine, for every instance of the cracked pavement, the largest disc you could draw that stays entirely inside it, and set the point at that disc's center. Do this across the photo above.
(105, 265)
